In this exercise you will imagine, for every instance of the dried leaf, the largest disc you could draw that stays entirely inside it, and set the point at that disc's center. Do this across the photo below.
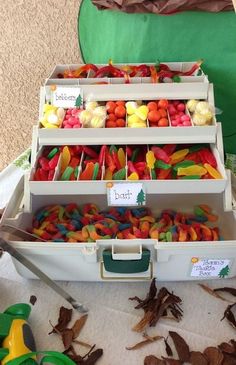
(212, 292)
(181, 346)
(168, 348)
(227, 347)
(64, 318)
(233, 343)
(172, 361)
(157, 307)
(213, 355)
(140, 326)
(144, 343)
(78, 325)
(33, 299)
(67, 337)
(197, 358)
(229, 360)
(153, 360)
(229, 315)
(93, 357)
(82, 343)
(231, 291)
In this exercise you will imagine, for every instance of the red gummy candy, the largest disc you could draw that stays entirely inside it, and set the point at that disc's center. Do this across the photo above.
(53, 162)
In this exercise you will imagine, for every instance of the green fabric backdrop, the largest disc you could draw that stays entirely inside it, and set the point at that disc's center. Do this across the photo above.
(186, 36)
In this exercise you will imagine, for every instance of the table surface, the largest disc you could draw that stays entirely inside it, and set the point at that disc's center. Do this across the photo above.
(112, 316)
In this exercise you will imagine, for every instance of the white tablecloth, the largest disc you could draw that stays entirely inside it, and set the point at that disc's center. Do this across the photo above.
(112, 315)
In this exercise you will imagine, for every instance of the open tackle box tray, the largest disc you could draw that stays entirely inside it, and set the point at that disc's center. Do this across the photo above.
(65, 74)
(151, 186)
(131, 92)
(133, 259)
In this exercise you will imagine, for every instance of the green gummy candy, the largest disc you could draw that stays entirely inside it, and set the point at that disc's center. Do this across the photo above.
(176, 78)
(95, 171)
(67, 173)
(119, 175)
(199, 211)
(185, 163)
(76, 171)
(162, 165)
(52, 153)
(162, 235)
(134, 154)
(196, 148)
(153, 173)
(168, 237)
(191, 177)
(61, 213)
(112, 148)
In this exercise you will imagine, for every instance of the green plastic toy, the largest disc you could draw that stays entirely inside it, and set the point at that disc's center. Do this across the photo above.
(17, 344)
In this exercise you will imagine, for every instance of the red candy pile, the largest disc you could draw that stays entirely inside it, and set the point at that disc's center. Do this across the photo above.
(116, 114)
(177, 113)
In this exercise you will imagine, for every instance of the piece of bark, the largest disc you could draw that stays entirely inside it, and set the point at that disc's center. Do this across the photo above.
(151, 295)
(227, 348)
(78, 325)
(168, 348)
(144, 342)
(67, 337)
(172, 361)
(231, 291)
(64, 318)
(197, 358)
(229, 315)
(93, 357)
(33, 299)
(213, 355)
(229, 360)
(181, 346)
(212, 292)
(153, 360)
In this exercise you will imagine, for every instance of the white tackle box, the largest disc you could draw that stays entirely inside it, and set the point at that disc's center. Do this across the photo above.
(166, 260)
(134, 259)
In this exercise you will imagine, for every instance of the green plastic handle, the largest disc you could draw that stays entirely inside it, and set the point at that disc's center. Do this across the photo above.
(53, 357)
(126, 266)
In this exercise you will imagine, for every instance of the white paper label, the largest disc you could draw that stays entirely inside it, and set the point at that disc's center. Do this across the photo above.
(119, 194)
(210, 268)
(66, 97)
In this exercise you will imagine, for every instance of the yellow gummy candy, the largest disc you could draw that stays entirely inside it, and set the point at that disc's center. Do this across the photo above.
(121, 157)
(133, 176)
(212, 171)
(178, 156)
(108, 174)
(142, 112)
(131, 106)
(150, 159)
(191, 170)
(49, 125)
(138, 125)
(133, 119)
(65, 158)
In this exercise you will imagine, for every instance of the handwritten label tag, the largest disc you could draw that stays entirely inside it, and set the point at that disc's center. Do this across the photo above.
(210, 268)
(119, 194)
(66, 97)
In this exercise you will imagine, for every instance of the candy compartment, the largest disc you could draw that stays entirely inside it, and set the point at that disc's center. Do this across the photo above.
(127, 73)
(131, 114)
(163, 168)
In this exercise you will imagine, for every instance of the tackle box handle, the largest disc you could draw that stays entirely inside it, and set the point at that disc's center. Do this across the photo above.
(126, 266)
